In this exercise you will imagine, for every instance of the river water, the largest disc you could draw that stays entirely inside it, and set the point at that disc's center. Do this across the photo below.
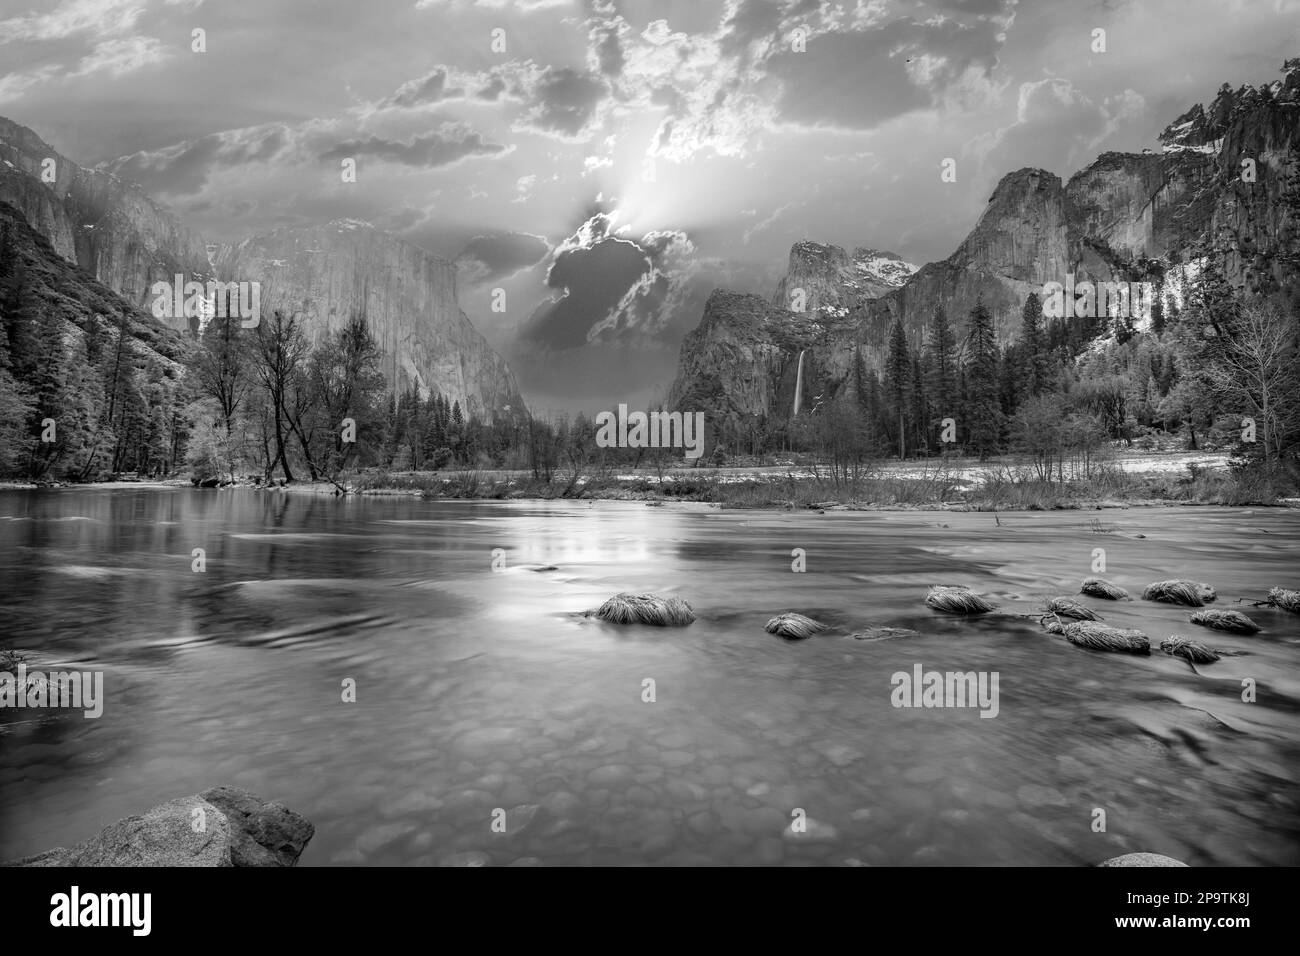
(481, 690)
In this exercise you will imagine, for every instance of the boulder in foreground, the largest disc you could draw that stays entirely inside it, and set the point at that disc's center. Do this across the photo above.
(1141, 859)
(237, 828)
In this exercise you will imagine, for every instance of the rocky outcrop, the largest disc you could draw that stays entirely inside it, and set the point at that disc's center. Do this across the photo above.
(741, 363)
(102, 223)
(329, 273)
(223, 826)
(825, 278)
(1142, 859)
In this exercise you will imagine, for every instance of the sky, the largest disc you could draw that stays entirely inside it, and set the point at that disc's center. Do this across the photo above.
(597, 167)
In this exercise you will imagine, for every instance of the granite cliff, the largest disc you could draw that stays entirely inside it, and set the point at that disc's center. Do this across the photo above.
(96, 220)
(408, 297)
(116, 233)
(1222, 183)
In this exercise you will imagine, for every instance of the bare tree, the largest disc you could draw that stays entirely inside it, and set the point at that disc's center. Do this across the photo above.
(1253, 365)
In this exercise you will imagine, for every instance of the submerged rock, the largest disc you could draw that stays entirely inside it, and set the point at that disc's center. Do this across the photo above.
(234, 828)
(1142, 859)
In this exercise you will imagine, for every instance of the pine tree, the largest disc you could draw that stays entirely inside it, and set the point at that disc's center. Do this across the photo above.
(983, 412)
(941, 362)
(1033, 349)
(898, 378)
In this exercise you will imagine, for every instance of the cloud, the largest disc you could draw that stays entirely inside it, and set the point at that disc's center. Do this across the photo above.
(450, 144)
(430, 88)
(497, 257)
(1057, 127)
(563, 101)
(103, 18)
(123, 55)
(184, 168)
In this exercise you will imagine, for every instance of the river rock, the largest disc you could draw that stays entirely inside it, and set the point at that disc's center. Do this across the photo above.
(1141, 859)
(238, 829)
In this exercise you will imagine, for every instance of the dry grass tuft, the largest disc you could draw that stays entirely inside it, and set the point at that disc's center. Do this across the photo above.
(1101, 588)
(957, 600)
(1233, 621)
(646, 609)
(1064, 607)
(1286, 600)
(1096, 636)
(1192, 651)
(794, 627)
(1188, 593)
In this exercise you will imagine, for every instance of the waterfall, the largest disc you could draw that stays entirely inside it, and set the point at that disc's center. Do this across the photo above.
(798, 384)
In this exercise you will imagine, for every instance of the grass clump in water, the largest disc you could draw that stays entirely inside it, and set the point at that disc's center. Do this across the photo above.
(1096, 636)
(957, 600)
(1101, 588)
(794, 627)
(1064, 607)
(1188, 593)
(646, 609)
(1220, 620)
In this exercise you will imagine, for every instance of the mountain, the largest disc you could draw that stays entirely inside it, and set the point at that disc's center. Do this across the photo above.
(106, 225)
(408, 297)
(115, 232)
(74, 353)
(834, 282)
(1126, 217)
(741, 363)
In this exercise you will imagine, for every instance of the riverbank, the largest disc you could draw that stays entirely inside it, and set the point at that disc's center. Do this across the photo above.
(1133, 481)
(1146, 481)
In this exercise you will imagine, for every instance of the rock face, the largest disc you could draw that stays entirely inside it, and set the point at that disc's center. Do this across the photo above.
(1126, 217)
(102, 223)
(86, 305)
(833, 282)
(237, 829)
(408, 297)
(741, 364)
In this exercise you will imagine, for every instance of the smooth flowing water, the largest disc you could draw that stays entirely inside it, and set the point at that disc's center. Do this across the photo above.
(481, 689)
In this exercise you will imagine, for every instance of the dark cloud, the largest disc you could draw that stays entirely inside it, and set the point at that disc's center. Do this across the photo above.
(449, 145)
(564, 101)
(184, 169)
(593, 271)
(491, 258)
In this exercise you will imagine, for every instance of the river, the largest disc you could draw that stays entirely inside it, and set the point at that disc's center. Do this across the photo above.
(478, 690)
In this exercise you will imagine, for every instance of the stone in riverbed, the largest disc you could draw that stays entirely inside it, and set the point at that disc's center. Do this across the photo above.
(239, 829)
(1142, 859)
